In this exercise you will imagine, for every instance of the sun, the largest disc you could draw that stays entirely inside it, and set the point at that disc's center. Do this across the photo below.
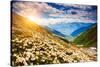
(38, 20)
(34, 19)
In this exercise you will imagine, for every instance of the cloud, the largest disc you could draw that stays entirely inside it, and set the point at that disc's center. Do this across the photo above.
(34, 8)
(64, 20)
(49, 14)
(77, 6)
(78, 10)
(30, 8)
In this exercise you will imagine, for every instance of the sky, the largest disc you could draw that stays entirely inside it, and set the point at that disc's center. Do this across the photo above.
(44, 13)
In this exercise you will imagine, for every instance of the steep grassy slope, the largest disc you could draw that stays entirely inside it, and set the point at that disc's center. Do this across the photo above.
(88, 38)
(27, 28)
(34, 45)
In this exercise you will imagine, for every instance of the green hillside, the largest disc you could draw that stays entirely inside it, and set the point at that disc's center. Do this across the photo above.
(88, 38)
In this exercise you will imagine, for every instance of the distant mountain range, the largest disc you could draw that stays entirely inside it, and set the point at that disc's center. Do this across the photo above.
(80, 30)
(88, 38)
(59, 34)
(54, 31)
(70, 28)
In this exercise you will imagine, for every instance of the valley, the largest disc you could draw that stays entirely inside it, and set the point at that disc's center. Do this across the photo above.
(33, 45)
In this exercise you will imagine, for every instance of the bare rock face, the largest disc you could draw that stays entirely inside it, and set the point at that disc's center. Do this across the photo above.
(34, 45)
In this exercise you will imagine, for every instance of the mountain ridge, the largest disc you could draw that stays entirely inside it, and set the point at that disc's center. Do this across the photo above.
(82, 29)
(69, 28)
(91, 39)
